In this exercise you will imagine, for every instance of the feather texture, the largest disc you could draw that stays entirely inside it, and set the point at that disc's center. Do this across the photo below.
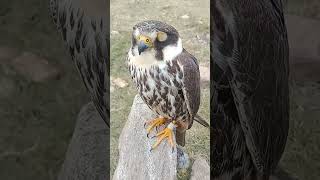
(250, 88)
(85, 33)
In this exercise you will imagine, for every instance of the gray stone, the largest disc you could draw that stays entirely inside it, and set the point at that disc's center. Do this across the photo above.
(183, 160)
(88, 154)
(121, 83)
(186, 16)
(114, 33)
(35, 68)
(200, 170)
(183, 163)
(135, 159)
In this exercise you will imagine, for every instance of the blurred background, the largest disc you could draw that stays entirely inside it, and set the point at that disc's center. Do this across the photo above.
(41, 92)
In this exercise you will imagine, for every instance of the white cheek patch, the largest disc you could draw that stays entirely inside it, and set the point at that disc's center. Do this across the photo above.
(145, 59)
(171, 51)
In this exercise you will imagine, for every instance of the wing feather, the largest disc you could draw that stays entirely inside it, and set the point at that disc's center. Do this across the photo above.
(259, 84)
(251, 50)
(85, 35)
(190, 81)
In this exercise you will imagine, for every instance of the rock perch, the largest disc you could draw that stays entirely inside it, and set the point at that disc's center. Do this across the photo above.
(88, 154)
(135, 159)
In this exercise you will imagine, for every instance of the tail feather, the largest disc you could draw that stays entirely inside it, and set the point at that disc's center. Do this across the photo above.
(201, 121)
(181, 138)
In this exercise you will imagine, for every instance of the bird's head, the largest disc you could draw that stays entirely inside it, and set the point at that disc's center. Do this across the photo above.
(144, 43)
(157, 38)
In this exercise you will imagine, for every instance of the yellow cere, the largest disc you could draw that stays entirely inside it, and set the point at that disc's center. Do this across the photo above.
(146, 40)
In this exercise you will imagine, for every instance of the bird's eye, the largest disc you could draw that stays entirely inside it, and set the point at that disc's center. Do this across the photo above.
(147, 40)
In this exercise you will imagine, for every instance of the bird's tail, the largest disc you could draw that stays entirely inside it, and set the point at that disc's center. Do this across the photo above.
(201, 121)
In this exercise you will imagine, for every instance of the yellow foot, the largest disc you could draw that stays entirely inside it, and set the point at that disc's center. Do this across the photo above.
(155, 123)
(166, 133)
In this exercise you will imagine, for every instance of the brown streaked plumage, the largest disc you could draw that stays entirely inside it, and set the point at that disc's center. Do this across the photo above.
(84, 27)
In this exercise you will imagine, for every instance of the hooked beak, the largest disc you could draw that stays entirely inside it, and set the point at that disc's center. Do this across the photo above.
(141, 47)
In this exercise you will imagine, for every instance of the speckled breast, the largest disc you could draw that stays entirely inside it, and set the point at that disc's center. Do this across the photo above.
(161, 89)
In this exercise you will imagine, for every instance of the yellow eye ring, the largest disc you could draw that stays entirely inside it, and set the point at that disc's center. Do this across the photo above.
(147, 40)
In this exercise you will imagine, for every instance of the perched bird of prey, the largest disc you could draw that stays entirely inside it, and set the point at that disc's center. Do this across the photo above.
(167, 78)
(84, 26)
(250, 97)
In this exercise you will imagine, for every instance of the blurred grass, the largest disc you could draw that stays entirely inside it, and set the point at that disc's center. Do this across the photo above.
(307, 8)
(121, 98)
(302, 154)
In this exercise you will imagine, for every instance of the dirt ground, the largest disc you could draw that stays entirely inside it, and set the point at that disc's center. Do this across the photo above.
(37, 119)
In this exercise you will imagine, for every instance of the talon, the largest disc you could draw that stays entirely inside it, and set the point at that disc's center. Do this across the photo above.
(155, 123)
(166, 133)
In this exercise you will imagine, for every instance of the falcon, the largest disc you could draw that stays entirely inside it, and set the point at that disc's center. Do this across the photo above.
(250, 97)
(167, 78)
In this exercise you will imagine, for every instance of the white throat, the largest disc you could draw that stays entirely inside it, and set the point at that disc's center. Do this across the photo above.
(171, 51)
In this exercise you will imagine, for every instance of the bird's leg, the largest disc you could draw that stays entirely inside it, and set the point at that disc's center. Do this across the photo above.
(155, 123)
(166, 133)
